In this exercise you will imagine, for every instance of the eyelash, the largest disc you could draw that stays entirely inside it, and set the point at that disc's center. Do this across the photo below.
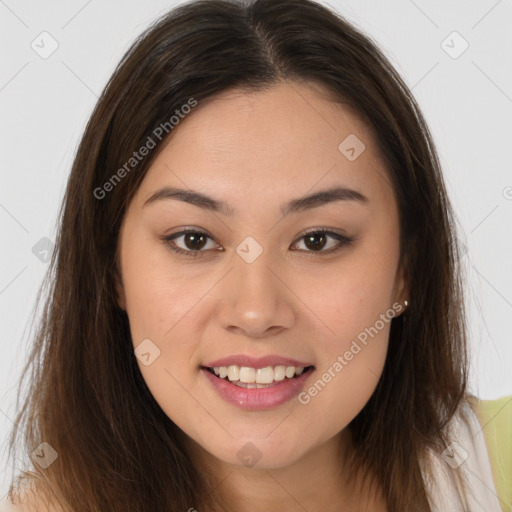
(344, 241)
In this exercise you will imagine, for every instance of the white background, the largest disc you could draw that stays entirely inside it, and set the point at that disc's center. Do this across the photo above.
(467, 101)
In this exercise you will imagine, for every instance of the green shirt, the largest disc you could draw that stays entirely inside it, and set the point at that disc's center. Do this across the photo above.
(495, 417)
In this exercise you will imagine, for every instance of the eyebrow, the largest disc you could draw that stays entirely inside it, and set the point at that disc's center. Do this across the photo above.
(300, 204)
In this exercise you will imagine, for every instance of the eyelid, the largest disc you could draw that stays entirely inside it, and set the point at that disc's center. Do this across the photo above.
(169, 239)
(343, 240)
(336, 231)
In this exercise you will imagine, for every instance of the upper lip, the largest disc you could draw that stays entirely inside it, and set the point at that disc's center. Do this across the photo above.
(256, 362)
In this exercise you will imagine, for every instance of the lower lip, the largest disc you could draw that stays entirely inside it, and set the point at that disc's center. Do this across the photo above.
(258, 399)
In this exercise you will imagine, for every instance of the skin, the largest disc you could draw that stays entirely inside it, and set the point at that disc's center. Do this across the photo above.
(256, 151)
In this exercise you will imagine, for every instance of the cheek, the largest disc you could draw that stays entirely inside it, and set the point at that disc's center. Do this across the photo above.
(157, 295)
(160, 307)
(348, 374)
(355, 312)
(166, 304)
(350, 297)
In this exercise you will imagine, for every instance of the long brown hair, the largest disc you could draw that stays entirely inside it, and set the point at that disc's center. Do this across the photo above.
(117, 450)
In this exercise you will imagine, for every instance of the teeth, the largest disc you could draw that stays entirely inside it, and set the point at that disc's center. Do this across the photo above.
(267, 375)
(250, 385)
(233, 372)
(289, 372)
(279, 372)
(263, 375)
(247, 375)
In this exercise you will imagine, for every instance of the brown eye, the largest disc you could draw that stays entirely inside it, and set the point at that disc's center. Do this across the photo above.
(193, 242)
(316, 241)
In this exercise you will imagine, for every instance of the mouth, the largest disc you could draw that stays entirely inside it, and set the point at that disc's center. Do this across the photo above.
(257, 389)
(258, 378)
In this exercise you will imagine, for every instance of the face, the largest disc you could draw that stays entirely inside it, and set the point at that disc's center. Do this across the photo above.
(265, 279)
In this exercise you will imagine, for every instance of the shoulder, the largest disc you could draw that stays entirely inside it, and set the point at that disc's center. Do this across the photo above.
(493, 414)
(467, 456)
(495, 421)
(27, 500)
(7, 506)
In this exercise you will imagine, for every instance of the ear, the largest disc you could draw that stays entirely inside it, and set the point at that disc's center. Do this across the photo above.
(119, 288)
(402, 289)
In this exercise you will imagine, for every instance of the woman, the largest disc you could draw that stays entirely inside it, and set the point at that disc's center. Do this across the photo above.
(256, 302)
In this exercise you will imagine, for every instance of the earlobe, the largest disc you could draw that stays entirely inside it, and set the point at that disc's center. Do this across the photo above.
(403, 295)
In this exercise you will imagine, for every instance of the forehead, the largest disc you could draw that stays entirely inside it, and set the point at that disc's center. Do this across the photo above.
(278, 143)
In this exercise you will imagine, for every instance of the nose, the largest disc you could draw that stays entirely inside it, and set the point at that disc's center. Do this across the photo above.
(256, 299)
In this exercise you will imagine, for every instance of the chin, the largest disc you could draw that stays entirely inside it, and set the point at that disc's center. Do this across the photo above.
(259, 453)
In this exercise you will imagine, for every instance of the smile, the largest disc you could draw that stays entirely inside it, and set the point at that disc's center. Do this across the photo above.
(256, 377)
(257, 388)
